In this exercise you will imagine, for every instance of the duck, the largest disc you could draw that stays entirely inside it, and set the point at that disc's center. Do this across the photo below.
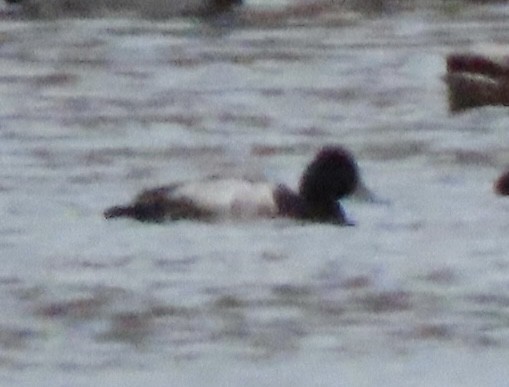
(330, 176)
(146, 8)
(228, 13)
(475, 80)
(501, 186)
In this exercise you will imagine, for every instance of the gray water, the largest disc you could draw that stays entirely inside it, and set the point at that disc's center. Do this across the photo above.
(417, 293)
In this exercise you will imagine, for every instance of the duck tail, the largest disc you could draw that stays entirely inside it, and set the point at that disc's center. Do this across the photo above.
(119, 211)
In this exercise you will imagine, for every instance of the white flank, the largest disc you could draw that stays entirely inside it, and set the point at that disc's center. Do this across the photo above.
(230, 197)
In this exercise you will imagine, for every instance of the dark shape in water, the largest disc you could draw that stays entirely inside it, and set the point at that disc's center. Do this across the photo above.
(475, 80)
(502, 184)
(333, 174)
(147, 8)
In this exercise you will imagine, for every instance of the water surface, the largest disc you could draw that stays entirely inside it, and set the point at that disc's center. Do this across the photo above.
(94, 110)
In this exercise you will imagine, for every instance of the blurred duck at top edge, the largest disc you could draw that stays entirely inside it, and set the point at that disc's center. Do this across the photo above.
(146, 8)
(251, 11)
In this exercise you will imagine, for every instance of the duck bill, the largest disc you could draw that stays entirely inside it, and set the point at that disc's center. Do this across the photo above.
(364, 194)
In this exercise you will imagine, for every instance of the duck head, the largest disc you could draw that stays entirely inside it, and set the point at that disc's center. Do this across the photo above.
(331, 175)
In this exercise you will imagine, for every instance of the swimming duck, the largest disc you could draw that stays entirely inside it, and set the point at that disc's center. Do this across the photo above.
(501, 186)
(331, 175)
(146, 8)
(476, 80)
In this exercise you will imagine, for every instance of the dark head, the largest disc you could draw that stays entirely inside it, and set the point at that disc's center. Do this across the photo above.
(332, 175)
(502, 184)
